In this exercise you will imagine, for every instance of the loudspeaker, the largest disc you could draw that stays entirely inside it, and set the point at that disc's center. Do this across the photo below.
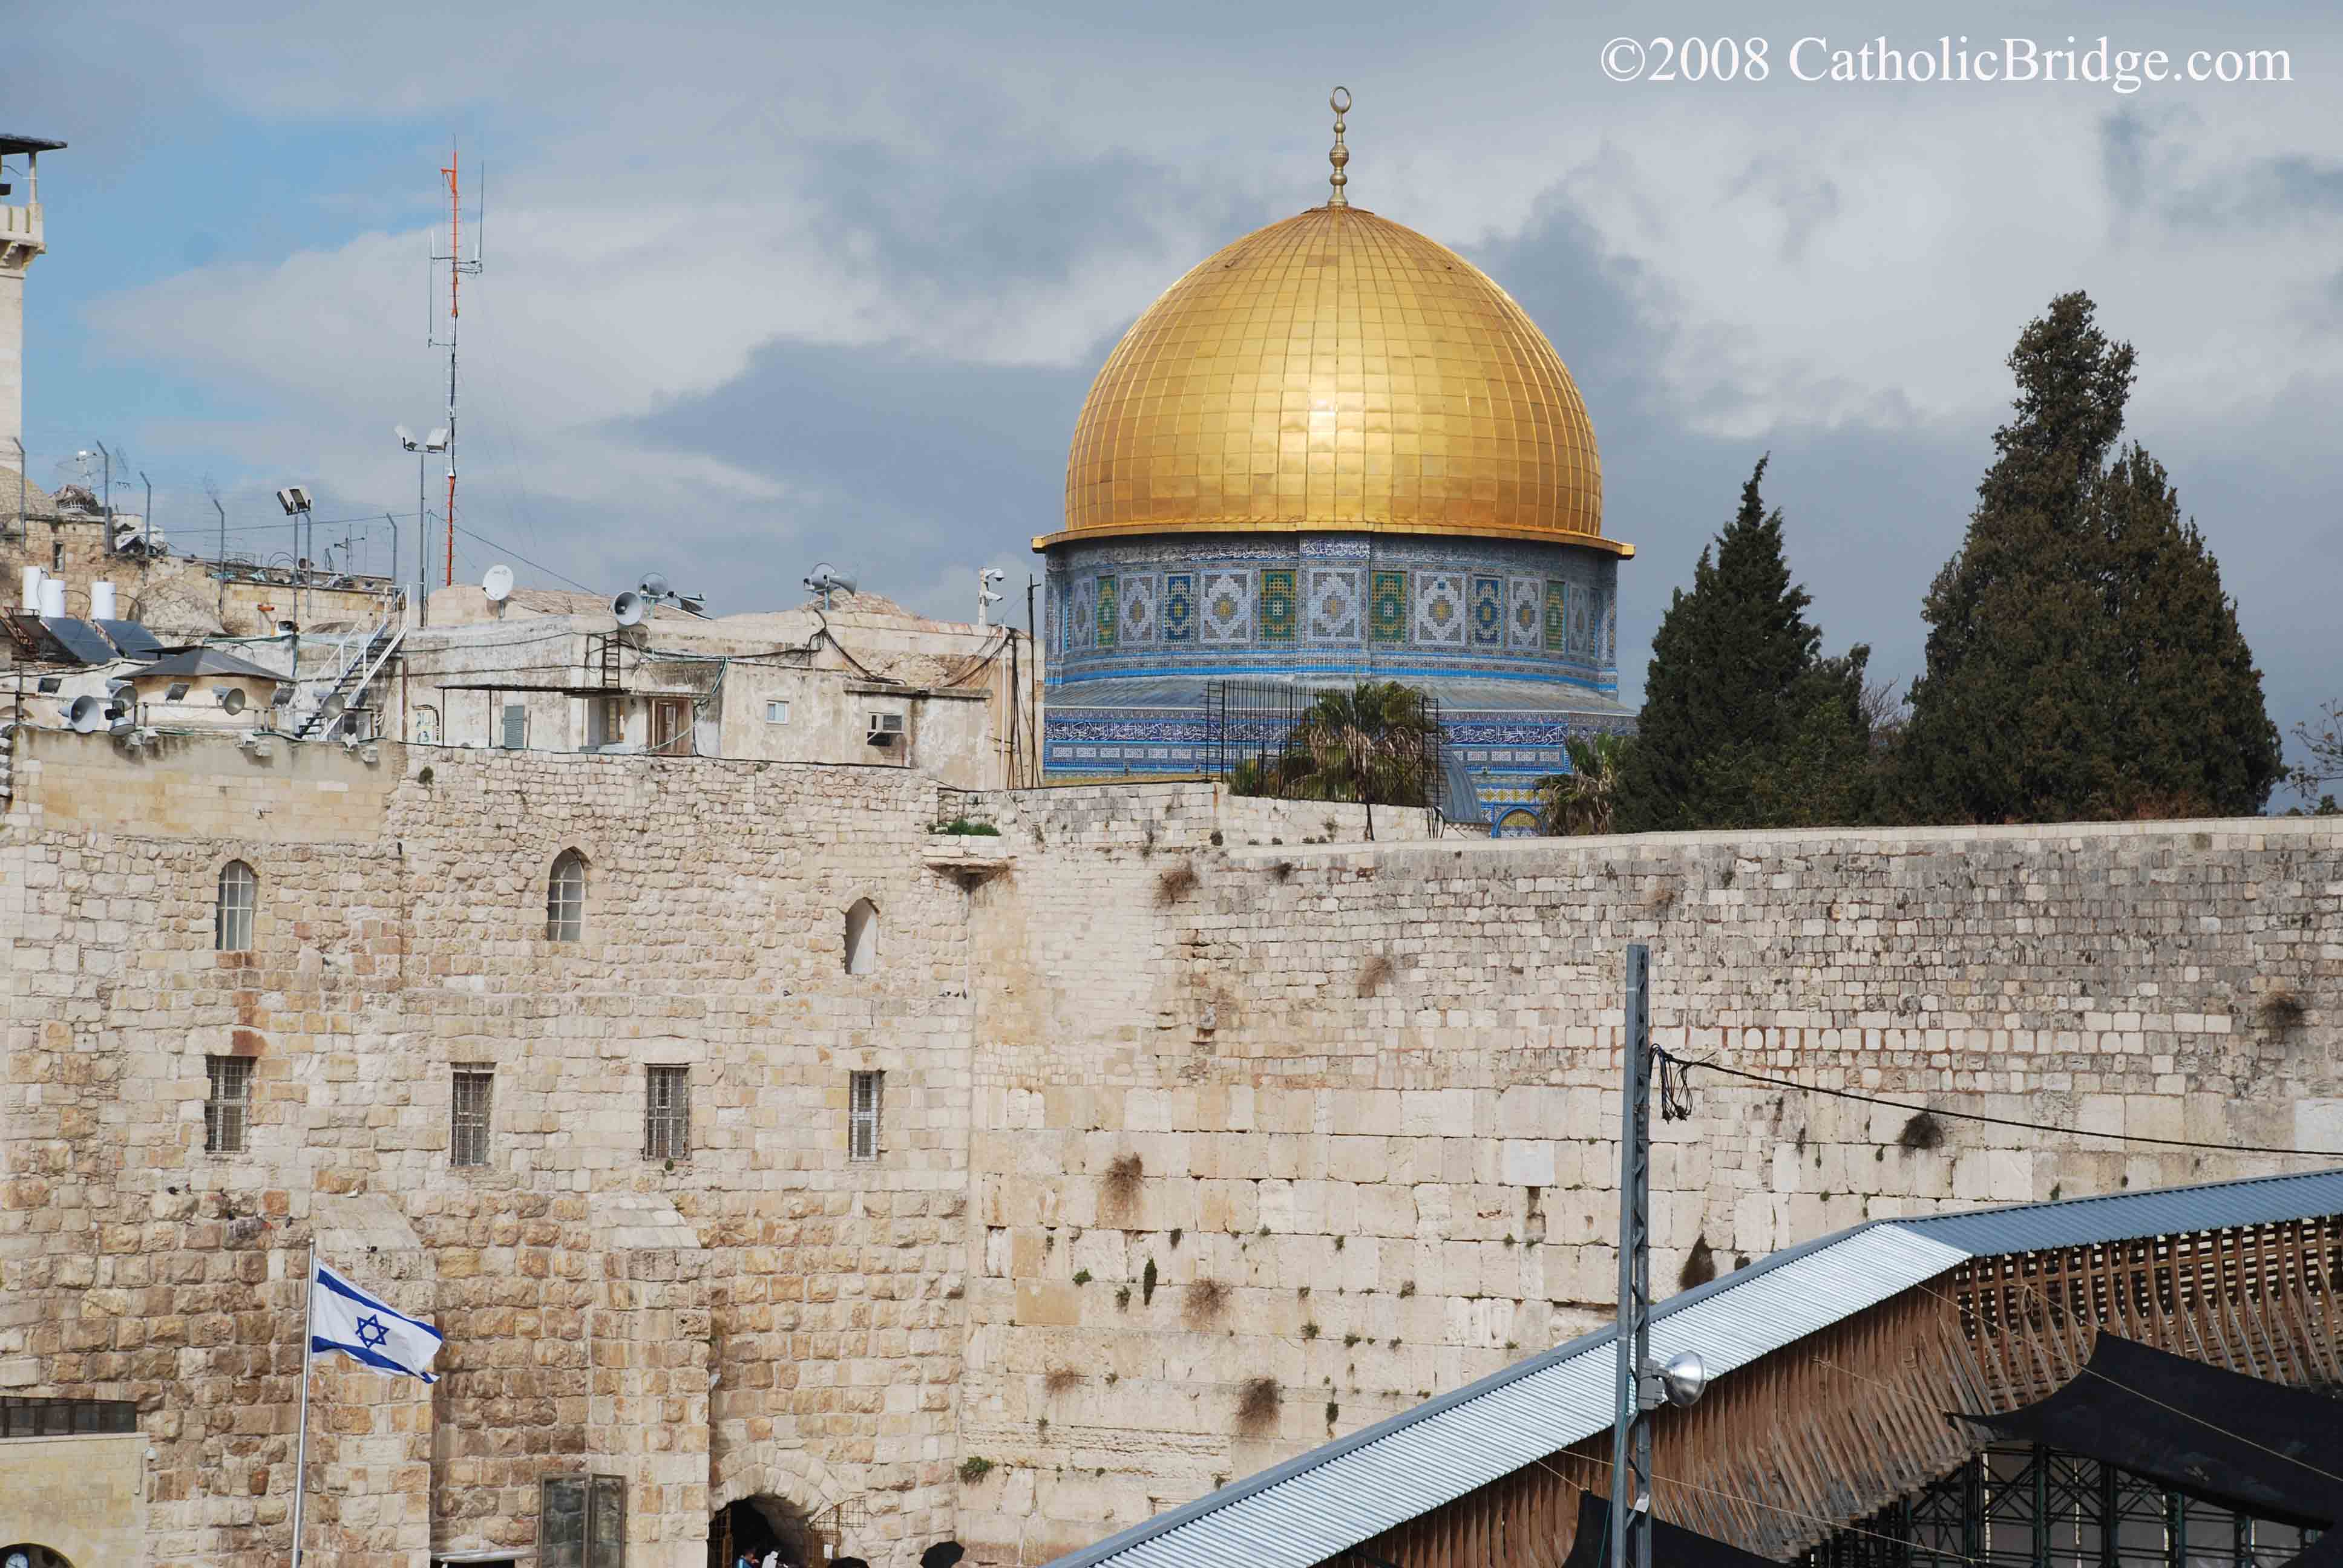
(87, 714)
(629, 607)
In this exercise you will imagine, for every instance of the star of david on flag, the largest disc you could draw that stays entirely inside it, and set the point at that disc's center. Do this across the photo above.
(346, 1319)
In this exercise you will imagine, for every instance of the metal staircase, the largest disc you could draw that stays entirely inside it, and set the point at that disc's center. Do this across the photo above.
(322, 701)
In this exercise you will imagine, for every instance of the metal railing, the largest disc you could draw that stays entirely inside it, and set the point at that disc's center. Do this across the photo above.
(359, 657)
(1280, 739)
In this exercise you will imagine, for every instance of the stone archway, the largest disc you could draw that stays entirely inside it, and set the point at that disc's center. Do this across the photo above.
(26, 1554)
(775, 1497)
(771, 1470)
(760, 1526)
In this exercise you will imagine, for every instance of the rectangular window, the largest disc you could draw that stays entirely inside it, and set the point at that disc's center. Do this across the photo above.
(863, 1116)
(670, 726)
(581, 1521)
(667, 1113)
(228, 1105)
(467, 1117)
(606, 721)
(776, 713)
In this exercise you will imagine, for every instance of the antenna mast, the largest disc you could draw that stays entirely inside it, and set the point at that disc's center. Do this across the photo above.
(457, 270)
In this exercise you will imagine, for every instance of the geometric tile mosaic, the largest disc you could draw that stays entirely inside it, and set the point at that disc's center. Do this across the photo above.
(1387, 608)
(1138, 611)
(1434, 606)
(1440, 609)
(1279, 611)
(1334, 604)
(1178, 615)
(1228, 607)
(1522, 624)
(1488, 612)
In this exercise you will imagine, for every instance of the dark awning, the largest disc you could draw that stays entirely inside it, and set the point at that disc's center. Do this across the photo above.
(2261, 1448)
(1673, 1546)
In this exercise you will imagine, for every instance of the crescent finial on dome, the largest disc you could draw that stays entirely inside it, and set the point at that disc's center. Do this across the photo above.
(1339, 101)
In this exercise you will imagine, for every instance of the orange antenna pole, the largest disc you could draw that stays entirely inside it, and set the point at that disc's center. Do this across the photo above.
(451, 176)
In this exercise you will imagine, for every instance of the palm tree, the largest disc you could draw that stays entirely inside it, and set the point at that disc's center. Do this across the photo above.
(1378, 744)
(1585, 799)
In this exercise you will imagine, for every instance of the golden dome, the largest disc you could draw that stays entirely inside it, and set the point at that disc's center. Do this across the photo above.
(1335, 371)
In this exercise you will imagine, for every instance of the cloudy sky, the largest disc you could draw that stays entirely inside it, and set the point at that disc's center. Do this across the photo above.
(767, 284)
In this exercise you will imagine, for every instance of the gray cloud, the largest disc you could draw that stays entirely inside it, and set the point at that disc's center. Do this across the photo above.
(776, 285)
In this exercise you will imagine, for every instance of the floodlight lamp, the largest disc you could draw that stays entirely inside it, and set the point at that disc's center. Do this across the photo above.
(1684, 1378)
(178, 690)
(407, 439)
(439, 441)
(294, 499)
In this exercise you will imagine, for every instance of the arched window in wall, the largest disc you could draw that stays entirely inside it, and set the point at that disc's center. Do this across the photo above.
(239, 893)
(565, 898)
(862, 938)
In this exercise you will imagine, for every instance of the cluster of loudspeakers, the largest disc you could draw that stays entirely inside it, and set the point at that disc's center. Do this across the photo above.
(87, 715)
(632, 606)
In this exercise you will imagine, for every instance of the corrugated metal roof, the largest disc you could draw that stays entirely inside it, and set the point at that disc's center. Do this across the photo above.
(1353, 1490)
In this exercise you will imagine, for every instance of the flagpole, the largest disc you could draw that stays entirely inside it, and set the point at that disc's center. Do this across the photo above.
(301, 1446)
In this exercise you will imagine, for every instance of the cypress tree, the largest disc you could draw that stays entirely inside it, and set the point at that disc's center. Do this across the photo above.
(1744, 723)
(2082, 659)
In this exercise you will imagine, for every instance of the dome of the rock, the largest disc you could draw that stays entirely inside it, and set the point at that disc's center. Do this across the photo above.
(1335, 370)
(1333, 452)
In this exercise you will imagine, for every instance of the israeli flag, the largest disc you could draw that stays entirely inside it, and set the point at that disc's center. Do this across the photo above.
(346, 1319)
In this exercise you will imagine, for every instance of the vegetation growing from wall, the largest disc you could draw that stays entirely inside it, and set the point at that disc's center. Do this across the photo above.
(1257, 1405)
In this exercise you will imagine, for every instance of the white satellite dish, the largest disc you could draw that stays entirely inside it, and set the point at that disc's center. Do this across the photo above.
(87, 714)
(655, 586)
(497, 584)
(630, 609)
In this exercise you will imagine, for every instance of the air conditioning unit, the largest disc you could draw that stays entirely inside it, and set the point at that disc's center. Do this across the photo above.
(886, 728)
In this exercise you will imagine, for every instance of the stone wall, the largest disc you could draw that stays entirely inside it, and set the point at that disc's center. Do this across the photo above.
(1198, 1146)
(765, 1314)
(83, 1497)
(1343, 1119)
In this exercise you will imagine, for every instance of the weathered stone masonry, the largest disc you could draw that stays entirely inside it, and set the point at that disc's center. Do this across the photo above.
(1346, 1107)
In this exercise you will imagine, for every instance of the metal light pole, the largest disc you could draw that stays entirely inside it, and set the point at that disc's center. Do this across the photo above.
(108, 507)
(438, 440)
(1641, 1387)
(1631, 1448)
(295, 499)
